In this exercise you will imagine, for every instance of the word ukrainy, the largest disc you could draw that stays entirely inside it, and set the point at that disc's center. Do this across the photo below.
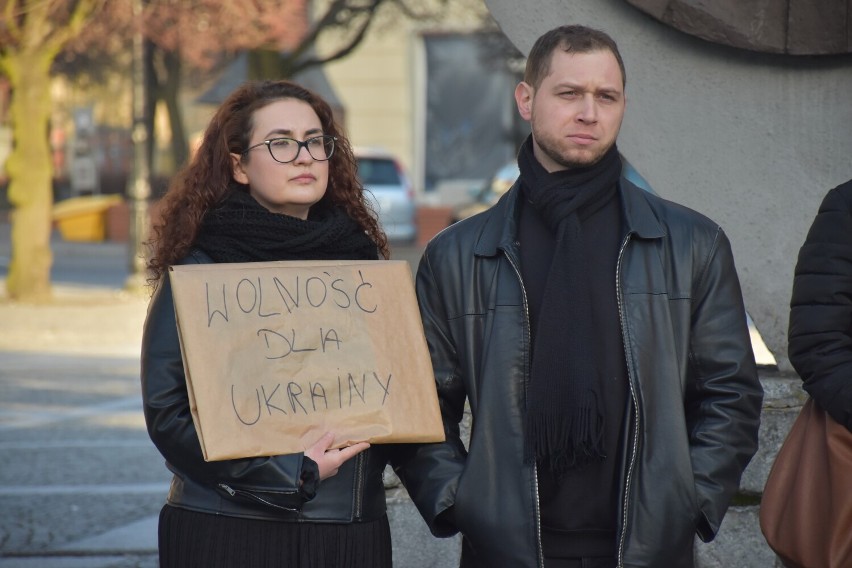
(307, 397)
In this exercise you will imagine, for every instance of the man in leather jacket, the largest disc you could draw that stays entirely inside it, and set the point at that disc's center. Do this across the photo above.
(598, 334)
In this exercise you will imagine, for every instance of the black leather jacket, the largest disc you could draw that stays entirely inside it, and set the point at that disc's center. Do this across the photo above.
(259, 488)
(694, 402)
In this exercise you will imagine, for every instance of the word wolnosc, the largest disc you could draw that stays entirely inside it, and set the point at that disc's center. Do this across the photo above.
(273, 296)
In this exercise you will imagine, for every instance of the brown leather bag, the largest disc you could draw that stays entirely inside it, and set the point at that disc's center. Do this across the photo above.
(806, 510)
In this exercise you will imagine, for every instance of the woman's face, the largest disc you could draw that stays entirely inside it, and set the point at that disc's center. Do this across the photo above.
(290, 188)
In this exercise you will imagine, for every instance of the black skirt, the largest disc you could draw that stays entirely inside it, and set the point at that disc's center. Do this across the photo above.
(190, 539)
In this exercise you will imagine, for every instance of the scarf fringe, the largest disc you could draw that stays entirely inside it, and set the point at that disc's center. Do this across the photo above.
(564, 441)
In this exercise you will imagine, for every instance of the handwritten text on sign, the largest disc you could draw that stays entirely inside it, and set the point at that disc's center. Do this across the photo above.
(277, 353)
(271, 301)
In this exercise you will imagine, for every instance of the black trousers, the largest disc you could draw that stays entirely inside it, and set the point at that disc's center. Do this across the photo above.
(189, 539)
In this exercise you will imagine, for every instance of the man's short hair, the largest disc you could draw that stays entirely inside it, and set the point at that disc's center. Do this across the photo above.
(571, 39)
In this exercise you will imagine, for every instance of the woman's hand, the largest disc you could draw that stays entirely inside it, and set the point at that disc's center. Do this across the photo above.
(329, 461)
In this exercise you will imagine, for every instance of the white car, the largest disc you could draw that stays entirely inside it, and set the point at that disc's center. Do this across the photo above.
(389, 191)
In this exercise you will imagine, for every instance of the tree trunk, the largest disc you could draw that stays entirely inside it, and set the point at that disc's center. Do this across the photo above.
(265, 64)
(30, 173)
(164, 84)
(152, 90)
(171, 94)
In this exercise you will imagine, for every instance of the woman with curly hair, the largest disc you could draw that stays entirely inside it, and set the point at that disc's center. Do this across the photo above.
(273, 179)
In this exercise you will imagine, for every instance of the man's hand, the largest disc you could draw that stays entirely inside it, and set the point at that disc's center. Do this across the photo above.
(329, 461)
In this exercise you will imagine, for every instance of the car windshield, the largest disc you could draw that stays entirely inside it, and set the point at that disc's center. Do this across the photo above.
(499, 184)
(377, 171)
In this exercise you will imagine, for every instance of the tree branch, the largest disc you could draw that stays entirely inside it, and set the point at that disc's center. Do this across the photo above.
(11, 29)
(343, 14)
(340, 14)
(80, 15)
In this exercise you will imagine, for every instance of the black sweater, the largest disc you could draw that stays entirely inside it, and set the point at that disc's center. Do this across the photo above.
(579, 512)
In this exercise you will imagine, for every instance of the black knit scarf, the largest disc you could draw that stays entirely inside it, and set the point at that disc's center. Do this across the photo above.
(565, 414)
(242, 230)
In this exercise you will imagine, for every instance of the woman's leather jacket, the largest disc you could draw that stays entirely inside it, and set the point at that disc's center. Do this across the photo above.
(272, 488)
(694, 401)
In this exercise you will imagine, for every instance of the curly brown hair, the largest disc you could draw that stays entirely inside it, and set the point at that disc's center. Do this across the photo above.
(206, 180)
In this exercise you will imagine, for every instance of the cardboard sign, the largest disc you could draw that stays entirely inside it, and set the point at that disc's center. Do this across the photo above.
(278, 353)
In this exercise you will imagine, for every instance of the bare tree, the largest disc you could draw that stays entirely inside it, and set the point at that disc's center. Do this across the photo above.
(32, 33)
(198, 33)
(279, 36)
(192, 36)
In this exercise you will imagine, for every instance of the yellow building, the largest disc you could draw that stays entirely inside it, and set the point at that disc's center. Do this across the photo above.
(384, 87)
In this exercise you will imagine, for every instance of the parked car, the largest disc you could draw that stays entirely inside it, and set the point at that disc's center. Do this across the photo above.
(389, 191)
(490, 193)
(505, 177)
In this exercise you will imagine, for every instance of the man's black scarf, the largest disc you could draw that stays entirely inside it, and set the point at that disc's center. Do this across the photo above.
(242, 230)
(564, 413)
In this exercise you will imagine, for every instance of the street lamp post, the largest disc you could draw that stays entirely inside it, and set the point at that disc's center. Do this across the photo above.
(139, 186)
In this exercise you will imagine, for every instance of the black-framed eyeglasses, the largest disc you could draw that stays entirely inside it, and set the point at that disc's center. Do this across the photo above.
(286, 150)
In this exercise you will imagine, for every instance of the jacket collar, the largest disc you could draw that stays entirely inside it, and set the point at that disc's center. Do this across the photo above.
(501, 228)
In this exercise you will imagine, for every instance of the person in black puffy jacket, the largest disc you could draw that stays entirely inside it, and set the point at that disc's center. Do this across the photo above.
(820, 332)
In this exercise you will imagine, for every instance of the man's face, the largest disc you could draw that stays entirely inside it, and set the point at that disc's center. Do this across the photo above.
(576, 111)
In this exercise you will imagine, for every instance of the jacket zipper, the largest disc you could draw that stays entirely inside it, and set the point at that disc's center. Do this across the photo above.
(634, 449)
(540, 559)
(234, 492)
(359, 481)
